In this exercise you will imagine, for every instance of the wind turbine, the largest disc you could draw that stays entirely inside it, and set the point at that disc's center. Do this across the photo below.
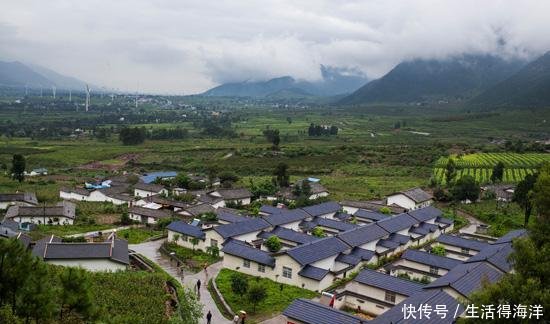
(70, 95)
(26, 90)
(53, 91)
(87, 97)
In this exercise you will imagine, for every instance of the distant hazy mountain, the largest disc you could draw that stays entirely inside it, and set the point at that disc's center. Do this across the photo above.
(528, 87)
(19, 74)
(334, 81)
(457, 78)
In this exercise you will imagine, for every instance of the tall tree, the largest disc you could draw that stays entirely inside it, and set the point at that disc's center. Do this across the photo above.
(522, 195)
(498, 172)
(37, 298)
(76, 295)
(281, 175)
(18, 166)
(465, 188)
(450, 171)
(529, 284)
(257, 293)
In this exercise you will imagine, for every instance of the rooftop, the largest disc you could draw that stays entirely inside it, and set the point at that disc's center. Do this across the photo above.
(155, 213)
(425, 214)
(63, 209)
(323, 208)
(186, 229)
(363, 234)
(430, 259)
(151, 187)
(27, 197)
(289, 235)
(312, 272)
(371, 215)
(317, 250)
(286, 216)
(310, 312)
(416, 194)
(461, 242)
(467, 277)
(242, 250)
(384, 281)
(235, 229)
(397, 223)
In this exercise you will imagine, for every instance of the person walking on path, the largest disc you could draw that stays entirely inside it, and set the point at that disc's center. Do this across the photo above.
(208, 318)
(198, 286)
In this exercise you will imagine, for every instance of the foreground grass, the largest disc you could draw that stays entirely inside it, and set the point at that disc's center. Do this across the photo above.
(277, 300)
(197, 257)
(503, 217)
(138, 235)
(64, 230)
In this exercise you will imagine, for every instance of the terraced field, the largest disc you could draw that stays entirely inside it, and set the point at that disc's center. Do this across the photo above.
(480, 165)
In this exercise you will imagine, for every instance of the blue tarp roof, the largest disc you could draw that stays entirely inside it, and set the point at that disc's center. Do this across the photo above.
(152, 176)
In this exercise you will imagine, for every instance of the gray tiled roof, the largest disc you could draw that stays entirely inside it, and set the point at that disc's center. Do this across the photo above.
(367, 214)
(425, 214)
(348, 259)
(286, 216)
(387, 243)
(467, 277)
(63, 209)
(510, 236)
(363, 254)
(363, 234)
(312, 272)
(232, 194)
(497, 255)
(334, 224)
(317, 250)
(247, 252)
(430, 259)
(397, 223)
(151, 187)
(387, 282)
(235, 229)
(270, 209)
(155, 213)
(461, 242)
(323, 208)
(429, 297)
(289, 235)
(27, 197)
(372, 205)
(444, 220)
(310, 312)
(186, 229)
(200, 209)
(417, 194)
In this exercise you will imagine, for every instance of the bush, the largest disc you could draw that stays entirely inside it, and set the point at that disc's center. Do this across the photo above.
(439, 250)
(239, 284)
(273, 243)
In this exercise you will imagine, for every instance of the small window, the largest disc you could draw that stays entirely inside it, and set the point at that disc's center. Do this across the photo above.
(465, 250)
(390, 297)
(261, 268)
(213, 242)
(434, 270)
(287, 272)
(360, 301)
(246, 263)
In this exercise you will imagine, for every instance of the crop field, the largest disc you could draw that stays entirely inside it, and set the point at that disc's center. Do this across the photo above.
(480, 166)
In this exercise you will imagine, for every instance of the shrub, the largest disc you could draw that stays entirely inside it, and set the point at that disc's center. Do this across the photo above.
(239, 284)
(273, 243)
(439, 250)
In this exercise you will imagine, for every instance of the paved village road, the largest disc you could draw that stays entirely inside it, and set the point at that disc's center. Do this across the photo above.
(150, 250)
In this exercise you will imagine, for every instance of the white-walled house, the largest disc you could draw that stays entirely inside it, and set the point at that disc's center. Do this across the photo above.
(111, 255)
(374, 292)
(183, 234)
(99, 195)
(17, 199)
(420, 264)
(147, 215)
(411, 199)
(460, 248)
(63, 213)
(237, 196)
(148, 189)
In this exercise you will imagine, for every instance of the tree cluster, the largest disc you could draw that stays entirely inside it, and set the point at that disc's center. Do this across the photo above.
(132, 135)
(322, 130)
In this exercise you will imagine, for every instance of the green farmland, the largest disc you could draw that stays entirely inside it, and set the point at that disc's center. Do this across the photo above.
(480, 166)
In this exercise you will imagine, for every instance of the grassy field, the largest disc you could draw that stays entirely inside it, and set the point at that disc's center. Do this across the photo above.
(138, 235)
(275, 302)
(503, 217)
(480, 165)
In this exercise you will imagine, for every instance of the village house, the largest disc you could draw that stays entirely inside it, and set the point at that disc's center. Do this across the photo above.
(63, 213)
(323, 210)
(197, 210)
(110, 255)
(288, 218)
(329, 226)
(420, 264)
(266, 210)
(289, 238)
(460, 248)
(160, 202)
(366, 216)
(149, 189)
(240, 196)
(147, 215)
(183, 234)
(411, 199)
(305, 311)
(17, 199)
(228, 216)
(374, 292)
(351, 207)
(113, 195)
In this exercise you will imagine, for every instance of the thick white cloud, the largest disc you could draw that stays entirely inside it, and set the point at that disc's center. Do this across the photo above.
(188, 46)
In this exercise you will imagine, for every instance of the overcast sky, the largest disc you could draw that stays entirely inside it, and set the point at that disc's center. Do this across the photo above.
(175, 46)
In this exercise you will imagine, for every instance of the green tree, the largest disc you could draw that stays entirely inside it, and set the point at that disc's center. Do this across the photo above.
(18, 166)
(529, 284)
(75, 294)
(318, 232)
(125, 219)
(182, 180)
(385, 210)
(239, 284)
(213, 250)
(256, 294)
(37, 297)
(439, 250)
(8, 316)
(523, 193)
(498, 172)
(281, 175)
(194, 242)
(450, 171)
(189, 309)
(273, 243)
(228, 178)
(465, 188)
(15, 268)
